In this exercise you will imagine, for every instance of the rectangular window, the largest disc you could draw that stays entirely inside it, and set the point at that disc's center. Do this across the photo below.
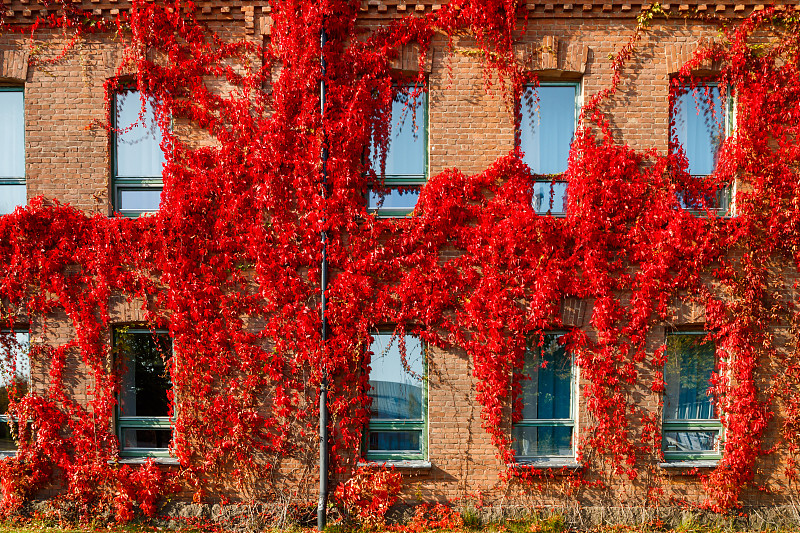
(699, 122)
(138, 158)
(12, 149)
(691, 428)
(15, 377)
(549, 116)
(143, 424)
(398, 390)
(548, 411)
(406, 168)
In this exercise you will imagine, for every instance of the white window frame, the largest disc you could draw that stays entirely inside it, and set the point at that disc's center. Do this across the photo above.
(5, 418)
(705, 424)
(560, 460)
(123, 422)
(389, 425)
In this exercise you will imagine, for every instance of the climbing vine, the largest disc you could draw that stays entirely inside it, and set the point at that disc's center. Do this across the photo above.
(230, 264)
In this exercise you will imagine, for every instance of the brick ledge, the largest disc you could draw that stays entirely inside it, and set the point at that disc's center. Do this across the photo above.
(547, 464)
(409, 464)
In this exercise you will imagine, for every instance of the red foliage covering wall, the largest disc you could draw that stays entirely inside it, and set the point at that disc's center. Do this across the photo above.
(236, 242)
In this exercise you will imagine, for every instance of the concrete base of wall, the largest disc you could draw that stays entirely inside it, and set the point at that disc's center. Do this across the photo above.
(250, 517)
(746, 518)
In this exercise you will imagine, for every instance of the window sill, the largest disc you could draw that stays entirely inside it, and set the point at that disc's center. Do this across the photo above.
(121, 460)
(409, 464)
(568, 463)
(144, 460)
(719, 213)
(389, 214)
(133, 214)
(688, 465)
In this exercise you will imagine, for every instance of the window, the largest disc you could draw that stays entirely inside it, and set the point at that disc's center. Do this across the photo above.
(143, 424)
(398, 413)
(546, 429)
(12, 149)
(691, 429)
(547, 127)
(406, 157)
(15, 379)
(699, 122)
(138, 158)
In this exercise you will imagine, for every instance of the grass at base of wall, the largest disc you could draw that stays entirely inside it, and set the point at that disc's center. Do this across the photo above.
(550, 524)
(35, 527)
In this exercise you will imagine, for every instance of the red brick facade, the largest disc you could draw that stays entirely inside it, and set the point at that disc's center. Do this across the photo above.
(68, 159)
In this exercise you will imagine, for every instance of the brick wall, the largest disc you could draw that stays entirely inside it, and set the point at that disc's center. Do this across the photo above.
(67, 159)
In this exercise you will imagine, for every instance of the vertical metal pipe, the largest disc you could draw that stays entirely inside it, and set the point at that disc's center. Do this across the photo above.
(323, 388)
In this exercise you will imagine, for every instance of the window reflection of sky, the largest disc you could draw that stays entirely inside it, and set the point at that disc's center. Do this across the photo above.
(11, 197)
(394, 199)
(687, 374)
(547, 127)
(139, 199)
(15, 359)
(699, 127)
(542, 202)
(138, 141)
(396, 389)
(12, 135)
(405, 155)
(12, 150)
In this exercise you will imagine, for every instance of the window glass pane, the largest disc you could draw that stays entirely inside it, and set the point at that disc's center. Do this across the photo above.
(7, 443)
(550, 196)
(720, 199)
(394, 199)
(699, 119)
(146, 438)
(547, 394)
(547, 127)
(138, 142)
(395, 441)
(11, 196)
(690, 441)
(542, 440)
(395, 386)
(139, 199)
(145, 380)
(12, 135)
(690, 363)
(15, 367)
(407, 139)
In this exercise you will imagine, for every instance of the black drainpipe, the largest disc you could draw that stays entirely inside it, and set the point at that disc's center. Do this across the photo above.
(323, 387)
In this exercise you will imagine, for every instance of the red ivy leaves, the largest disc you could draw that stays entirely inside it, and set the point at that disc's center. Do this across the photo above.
(231, 261)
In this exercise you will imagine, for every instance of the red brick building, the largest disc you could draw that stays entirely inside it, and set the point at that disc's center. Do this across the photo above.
(426, 419)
